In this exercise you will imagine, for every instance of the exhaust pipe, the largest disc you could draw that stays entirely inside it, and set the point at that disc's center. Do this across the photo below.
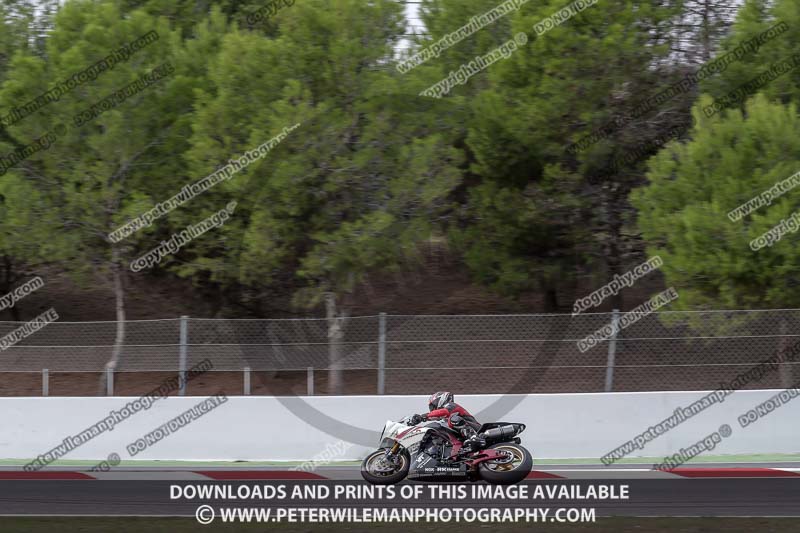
(501, 433)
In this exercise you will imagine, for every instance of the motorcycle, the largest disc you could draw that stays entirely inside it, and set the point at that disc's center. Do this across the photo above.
(433, 451)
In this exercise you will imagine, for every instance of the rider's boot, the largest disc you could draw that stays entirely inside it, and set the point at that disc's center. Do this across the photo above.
(474, 442)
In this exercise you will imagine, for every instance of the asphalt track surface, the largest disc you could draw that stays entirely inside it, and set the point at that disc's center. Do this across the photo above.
(719, 497)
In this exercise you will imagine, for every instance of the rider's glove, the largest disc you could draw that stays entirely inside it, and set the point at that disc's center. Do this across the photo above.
(416, 419)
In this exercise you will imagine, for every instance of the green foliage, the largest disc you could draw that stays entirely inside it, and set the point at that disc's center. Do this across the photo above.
(351, 190)
(374, 169)
(755, 17)
(93, 172)
(532, 216)
(683, 212)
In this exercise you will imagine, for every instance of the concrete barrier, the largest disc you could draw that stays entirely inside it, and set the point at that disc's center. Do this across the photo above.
(346, 427)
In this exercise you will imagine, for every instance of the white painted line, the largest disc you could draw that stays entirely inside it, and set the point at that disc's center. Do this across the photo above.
(600, 473)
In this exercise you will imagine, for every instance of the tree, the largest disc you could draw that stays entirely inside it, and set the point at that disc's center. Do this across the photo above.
(534, 213)
(754, 18)
(350, 191)
(732, 157)
(23, 28)
(93, 174)
(693, 186)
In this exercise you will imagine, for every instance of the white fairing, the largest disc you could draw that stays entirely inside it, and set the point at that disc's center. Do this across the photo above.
(391, 429)
(408, 436)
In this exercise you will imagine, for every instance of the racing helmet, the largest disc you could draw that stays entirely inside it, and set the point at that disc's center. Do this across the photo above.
(440, 399)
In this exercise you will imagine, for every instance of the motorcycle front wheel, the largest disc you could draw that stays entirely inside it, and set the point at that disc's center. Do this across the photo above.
(378, 471)
(510, 471)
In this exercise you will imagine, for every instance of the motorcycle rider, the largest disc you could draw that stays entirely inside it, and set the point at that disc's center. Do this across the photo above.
(443, 405)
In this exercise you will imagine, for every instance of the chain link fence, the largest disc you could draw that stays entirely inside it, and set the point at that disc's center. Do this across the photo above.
(412, 354)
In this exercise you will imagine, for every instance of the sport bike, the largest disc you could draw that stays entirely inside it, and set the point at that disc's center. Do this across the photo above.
(433, 451)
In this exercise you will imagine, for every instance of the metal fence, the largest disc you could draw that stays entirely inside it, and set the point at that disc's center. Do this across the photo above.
(407, 354)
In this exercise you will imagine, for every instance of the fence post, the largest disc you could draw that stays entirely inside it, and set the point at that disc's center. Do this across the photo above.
(310, 381)
(612, 350)
(109, 381)
(182, 354)
(247, 381)
(45, 382)
(381, 353)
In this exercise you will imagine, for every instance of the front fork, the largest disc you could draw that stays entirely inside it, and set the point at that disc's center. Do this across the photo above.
(391, 453)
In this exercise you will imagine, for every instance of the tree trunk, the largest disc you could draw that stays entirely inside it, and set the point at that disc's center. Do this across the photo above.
(705, 38)
(118, 273)
(335, 334)
(15, 314)
(5, 285)
(550, 300)
(8, 281)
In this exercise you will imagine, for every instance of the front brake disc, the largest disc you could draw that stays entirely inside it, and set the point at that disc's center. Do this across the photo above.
(383, 466)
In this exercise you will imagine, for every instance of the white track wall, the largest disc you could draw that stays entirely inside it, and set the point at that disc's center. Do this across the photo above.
(282, 429)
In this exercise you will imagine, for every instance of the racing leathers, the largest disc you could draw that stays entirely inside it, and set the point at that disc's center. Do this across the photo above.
(461, 420)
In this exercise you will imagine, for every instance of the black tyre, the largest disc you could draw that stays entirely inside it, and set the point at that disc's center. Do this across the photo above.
(507, 473)
(375, 469)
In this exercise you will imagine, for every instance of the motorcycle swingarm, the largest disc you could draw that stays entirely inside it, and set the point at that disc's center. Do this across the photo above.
(487, 455)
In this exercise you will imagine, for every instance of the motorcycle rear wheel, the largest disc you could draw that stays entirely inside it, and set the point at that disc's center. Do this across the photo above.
(507, 473)
(373, 460)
